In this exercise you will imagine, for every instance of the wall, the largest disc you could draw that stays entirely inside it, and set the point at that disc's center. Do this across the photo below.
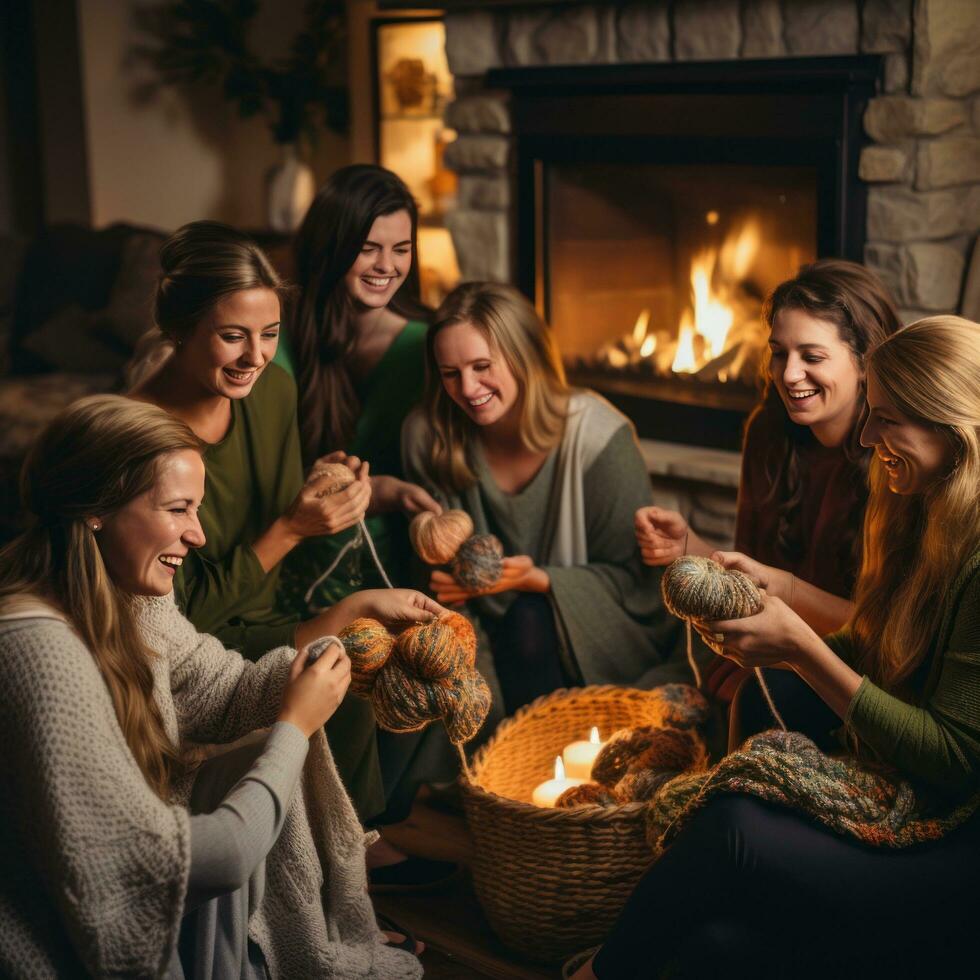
(178, 156)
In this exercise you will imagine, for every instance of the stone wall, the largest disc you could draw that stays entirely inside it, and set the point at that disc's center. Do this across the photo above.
(923, 163)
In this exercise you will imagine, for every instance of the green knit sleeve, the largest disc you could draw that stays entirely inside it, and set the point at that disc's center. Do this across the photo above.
(939, 741)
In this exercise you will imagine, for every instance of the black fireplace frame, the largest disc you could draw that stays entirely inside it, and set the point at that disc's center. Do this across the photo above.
(796, 111)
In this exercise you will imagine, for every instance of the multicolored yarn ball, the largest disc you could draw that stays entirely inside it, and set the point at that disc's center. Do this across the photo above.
(432, 651)
(479, 562)
(588, 794)
(437, 537)
(642, 785)
(701, 589)
(368, 644)
(464, 703)
(681, 706)
(670, 750)
(334, 477)
(430, 676)
(614, 758)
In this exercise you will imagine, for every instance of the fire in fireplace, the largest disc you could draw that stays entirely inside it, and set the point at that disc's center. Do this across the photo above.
(657, 205)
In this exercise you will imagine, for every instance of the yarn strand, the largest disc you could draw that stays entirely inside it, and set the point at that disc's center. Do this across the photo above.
(363, 534)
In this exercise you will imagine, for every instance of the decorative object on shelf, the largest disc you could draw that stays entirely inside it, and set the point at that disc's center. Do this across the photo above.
(414, 88)
(552, 881)
(206, 42)
(427, 672)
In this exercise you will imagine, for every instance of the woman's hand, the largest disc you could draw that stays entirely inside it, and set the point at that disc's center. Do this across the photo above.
(316, 512)
(774, 581)
(395, 607)
(721, 678)
(519, 574)
(661, 534)
(774, 637)
(388, 494)
(314, 692)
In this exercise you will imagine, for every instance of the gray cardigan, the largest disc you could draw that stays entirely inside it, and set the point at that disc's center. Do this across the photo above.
(94, 868)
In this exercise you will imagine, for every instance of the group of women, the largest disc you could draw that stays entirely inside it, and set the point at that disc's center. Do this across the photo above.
(181, 550)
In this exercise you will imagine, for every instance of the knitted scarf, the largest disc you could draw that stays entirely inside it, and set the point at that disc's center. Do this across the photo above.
(846, 796)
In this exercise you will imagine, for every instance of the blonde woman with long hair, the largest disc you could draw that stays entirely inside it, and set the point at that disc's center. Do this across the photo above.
(556, 474)
(903, 680)
(106, 872)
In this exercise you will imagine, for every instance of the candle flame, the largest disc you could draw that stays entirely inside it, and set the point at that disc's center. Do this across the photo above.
(559, 768)
(594, 735)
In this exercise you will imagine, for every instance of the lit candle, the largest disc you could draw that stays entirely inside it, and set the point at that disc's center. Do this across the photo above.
(551, 789)
(579, 756)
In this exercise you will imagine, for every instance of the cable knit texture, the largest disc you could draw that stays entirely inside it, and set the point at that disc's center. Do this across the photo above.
(93, 867)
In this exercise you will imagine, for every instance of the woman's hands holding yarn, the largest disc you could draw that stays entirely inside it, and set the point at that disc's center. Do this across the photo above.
(389, 494)
(661, 534)
(395, 607)
(775, 581)
(774, 637)
(315, 511)
(314, 692)
(519, 573)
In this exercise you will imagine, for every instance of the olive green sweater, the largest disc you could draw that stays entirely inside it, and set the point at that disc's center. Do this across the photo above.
(937, 739)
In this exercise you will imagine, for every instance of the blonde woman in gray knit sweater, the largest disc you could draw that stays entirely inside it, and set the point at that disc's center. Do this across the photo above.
(104, 871)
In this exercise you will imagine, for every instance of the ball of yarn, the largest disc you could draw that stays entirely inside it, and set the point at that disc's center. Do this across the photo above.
(588, 794)
(368, 644)
(436, 537)
(402, 703)
(614, 758)
(699, 588)
(642, 785)
(681, 706)
(462, 630)
(464, 703)
(432, 651)
(670, 750)
(479, 562)
(331, 478)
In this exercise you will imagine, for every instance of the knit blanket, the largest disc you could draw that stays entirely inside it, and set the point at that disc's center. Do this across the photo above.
(846, 796)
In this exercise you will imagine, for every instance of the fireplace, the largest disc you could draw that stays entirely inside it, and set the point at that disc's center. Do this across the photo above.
(657, 205)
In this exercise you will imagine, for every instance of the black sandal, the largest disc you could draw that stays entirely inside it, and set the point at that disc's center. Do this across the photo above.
(387, 924)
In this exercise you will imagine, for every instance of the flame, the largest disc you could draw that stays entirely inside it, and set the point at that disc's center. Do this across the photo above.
(594, 735)
(559, 768)
(648, 346)
(640, 327)
(684, 360)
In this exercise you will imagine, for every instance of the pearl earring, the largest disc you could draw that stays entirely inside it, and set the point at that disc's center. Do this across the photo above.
(96, 525)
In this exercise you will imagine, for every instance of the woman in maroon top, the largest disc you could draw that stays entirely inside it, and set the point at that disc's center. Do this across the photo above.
(804, 474)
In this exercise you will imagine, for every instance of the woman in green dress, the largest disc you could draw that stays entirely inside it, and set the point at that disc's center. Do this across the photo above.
(355, 343)
(218, 306)
(555, 473)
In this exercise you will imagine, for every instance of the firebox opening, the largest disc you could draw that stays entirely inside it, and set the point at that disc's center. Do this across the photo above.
(656, 274)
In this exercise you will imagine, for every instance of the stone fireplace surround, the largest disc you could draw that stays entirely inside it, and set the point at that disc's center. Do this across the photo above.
(921, 162)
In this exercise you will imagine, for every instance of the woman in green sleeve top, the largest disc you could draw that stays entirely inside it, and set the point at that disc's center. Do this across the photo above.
(355, 342)
(903, 677)
(218, 305)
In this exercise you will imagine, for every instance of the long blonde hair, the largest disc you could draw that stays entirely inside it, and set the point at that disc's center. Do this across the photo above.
(914, 545)
(515, 331)
(95, 457)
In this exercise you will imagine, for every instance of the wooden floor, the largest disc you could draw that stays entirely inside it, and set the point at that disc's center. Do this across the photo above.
(449, 919)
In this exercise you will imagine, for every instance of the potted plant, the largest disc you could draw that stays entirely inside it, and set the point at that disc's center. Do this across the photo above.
(207, 42)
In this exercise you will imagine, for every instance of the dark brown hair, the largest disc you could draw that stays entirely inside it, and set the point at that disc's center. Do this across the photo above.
(203, 262)
(322, 323)
(857, 303)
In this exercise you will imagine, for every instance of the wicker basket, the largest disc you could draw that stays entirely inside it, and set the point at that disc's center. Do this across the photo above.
(553, 881)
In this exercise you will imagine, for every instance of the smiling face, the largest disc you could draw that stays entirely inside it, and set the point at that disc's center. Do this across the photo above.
(915, 455)
(475, 375)
(383, 262)
(231, 345)
(144, 543)
(817, 375)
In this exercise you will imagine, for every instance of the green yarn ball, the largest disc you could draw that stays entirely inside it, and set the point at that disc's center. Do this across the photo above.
(479, 562)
